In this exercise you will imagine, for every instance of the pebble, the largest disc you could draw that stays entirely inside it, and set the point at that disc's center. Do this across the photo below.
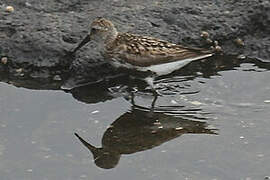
(241, 56)
(239, 42)
(95, 112)
(83, 176)
(47, 156)
(19, 70)
(218, 49)
(204, 34)
(260, 155)
(29, 170)
(10, 9)
(28, 4)
(266, 101)
(197, 103)
(209, 41)
(4, 60)
(57, 78)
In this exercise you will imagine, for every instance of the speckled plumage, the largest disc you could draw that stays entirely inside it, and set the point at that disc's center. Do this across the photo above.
(145, 51)
(138, 52)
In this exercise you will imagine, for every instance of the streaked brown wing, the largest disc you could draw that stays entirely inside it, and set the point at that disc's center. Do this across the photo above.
(146, 51)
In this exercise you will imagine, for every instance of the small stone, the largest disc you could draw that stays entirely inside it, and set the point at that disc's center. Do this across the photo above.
(95, 112)
(241, 137)
(20, 70)
(179, 128)
(260, 155)
(239, 42)
(241, 56)
(209, 41)
(4, 60)
(47, 156)
(10, 9)
(204, 34)
(28, 4)
(57, 78)
(197, 103)
(83, 176)
(29, 170)
(266, 101)
(173, 102)
(218, 49)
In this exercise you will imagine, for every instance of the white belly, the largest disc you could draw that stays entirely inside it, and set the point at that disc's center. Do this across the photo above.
(167, 68)
(159, 69)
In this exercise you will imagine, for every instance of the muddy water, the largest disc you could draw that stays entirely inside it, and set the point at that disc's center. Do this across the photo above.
(212, 122)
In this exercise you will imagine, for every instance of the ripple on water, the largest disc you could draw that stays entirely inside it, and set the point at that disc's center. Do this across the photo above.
(212, 116)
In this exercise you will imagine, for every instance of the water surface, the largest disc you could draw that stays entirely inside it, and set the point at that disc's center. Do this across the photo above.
(212, 122)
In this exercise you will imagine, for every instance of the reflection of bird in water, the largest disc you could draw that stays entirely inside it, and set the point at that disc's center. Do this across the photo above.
(140, 130)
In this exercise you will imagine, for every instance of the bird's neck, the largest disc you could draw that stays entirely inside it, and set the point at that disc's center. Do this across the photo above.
(110, 39)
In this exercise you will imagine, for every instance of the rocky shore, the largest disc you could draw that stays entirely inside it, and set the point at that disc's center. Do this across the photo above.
(35, 36)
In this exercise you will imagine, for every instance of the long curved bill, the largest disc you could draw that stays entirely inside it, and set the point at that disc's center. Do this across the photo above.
(84, 41)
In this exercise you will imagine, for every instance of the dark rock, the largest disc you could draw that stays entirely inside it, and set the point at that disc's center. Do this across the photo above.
(38, 34)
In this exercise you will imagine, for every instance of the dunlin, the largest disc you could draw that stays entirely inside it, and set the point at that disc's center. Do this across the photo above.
(140, 53)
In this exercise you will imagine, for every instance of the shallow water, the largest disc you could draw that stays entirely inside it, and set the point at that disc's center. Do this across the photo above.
(212, 122)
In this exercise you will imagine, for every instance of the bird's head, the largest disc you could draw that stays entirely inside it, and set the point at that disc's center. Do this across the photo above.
(101, 31)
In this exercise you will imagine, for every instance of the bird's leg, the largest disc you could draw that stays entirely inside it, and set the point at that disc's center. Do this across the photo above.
(153, 103)
(132, 99)
(150, 82)
(152, 108)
